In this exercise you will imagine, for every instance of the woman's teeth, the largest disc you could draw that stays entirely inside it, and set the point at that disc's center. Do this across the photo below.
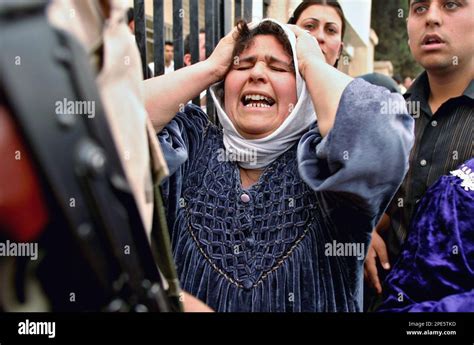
(257, 101)
(257, 105)
(258, 98)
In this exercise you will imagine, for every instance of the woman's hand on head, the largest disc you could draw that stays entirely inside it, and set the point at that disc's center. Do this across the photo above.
(324, 82)
(165, 95)
(221, 58)
(307, 48)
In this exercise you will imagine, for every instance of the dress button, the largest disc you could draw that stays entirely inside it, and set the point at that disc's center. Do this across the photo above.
(250, 242)
(245, 198)
(434, 123)
(423, 162)
(247, 283)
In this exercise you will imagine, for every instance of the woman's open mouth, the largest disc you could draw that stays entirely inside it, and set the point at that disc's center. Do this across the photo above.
(255, 100)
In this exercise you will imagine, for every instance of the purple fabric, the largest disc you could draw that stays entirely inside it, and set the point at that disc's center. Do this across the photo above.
(435, 271)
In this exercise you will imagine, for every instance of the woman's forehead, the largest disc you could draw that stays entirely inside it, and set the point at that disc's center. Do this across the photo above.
(327, 14)
(266, 45)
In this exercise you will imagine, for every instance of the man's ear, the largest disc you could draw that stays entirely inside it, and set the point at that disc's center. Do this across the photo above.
(187, 59)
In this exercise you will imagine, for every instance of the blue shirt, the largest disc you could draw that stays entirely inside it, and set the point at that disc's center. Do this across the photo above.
(277, 245)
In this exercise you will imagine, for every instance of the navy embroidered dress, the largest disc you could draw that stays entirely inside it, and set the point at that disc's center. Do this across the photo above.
(264, 248)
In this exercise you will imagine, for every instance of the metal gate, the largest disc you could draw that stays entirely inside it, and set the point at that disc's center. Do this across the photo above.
(218, 20)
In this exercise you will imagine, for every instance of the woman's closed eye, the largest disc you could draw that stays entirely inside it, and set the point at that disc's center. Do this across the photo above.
(243, 67)
(279, 69)
(276, 68)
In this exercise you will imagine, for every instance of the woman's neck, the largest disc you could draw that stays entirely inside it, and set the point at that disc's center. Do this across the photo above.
(248, 177)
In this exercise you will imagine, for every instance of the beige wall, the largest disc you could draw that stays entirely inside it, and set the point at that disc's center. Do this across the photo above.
(362, 61)
(280, 10)
(384, 67)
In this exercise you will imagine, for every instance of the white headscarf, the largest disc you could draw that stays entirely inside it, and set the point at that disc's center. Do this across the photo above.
(258, 153)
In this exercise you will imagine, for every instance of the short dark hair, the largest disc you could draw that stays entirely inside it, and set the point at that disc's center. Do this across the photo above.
(381, 80)
(187, 44)
(130, 15)
(169, 43)
(308, 3)
(245, 36)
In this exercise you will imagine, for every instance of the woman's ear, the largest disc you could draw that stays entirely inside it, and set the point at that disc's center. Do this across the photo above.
(340, 50)
(339, 55)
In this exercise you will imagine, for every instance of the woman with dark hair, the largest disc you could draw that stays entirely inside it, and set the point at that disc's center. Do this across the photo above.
(273, 212)
(326, 22)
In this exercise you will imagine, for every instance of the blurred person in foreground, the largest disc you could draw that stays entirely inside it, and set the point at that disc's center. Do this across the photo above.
(114, 157)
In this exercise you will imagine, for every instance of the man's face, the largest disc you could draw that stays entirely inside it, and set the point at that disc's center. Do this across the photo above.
(440, 33)
(169, 53)
(202, 50)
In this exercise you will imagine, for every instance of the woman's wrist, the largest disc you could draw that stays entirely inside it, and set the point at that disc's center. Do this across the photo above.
(309, 66)
(212, 70)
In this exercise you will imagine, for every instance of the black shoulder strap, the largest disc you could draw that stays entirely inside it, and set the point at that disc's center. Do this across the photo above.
(76, 155)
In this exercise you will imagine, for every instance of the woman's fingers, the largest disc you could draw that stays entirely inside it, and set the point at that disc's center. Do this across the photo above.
(297, 30)
(222, 57)
(233, 35)
(370, 270)
(377, 249)
(307, 48)
(381, 250)
(304, 35)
